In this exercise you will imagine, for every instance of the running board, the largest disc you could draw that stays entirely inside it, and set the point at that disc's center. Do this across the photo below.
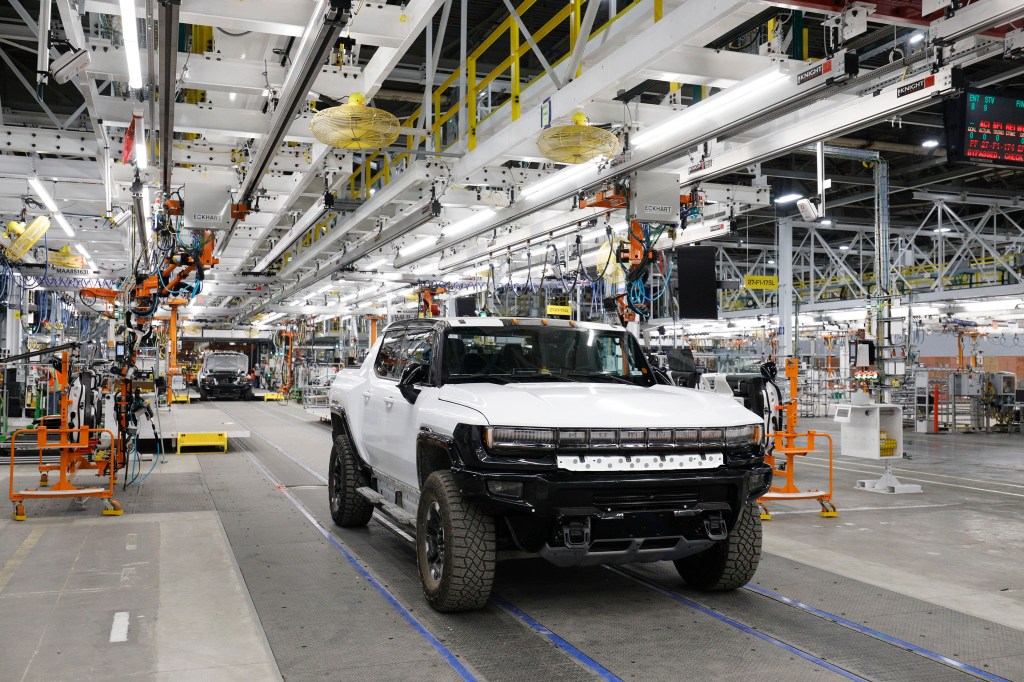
(393, 512)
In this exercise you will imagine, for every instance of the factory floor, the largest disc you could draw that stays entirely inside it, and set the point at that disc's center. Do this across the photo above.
(227, 567)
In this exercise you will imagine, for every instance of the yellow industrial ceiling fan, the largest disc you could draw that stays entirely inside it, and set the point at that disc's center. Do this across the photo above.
(578, 142)
(26, 237)
(355, 125)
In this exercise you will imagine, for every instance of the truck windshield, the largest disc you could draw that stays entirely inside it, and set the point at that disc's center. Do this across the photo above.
(536, 353)
(226, 363)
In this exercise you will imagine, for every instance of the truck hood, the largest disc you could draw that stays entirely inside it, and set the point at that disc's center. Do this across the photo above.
(595, 405)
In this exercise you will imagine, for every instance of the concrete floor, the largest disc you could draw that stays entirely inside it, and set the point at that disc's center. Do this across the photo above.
(227, 567)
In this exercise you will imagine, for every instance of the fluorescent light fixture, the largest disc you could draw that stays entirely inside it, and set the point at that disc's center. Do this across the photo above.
(988, 306)
(556, 179)
(788, 198)
(426, 269)
(844, 247)
(942, 230)
(469, 223)
(825, 222)
(141, 152)
(418, 248)
(754, 85)
(64, 224)
(916, 38)
(81, 250)
(51, 206)
(345, 299)
(41, 192)
(771, 261)
(374, 265)
(929, 144)
(130, 36)
(324, 289)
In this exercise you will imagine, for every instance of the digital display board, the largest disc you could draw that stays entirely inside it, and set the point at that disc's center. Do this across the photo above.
(986, 126)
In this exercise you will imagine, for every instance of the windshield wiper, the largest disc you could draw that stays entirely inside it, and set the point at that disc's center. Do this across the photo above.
(472, 378)
(533, 376)
(600, 375)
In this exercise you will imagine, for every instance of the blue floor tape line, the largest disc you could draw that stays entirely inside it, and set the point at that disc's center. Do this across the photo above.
(532, 623)
(445, 652)
(959, 665)
(740, 626)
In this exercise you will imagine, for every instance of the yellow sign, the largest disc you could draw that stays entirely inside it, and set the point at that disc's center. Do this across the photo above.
(563, 310)
(767, 282)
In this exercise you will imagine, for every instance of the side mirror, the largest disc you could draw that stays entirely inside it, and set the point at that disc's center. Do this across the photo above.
(416, 372)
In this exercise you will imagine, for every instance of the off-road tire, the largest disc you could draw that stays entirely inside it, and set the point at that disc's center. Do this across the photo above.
(468, 547)
(349, 509)
(729, 564)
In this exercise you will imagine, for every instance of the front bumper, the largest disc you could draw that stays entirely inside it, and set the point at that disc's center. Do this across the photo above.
(573, 520)
(552, 492)
(224, 390)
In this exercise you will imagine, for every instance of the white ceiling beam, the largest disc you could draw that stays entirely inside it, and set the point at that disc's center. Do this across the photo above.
(375, 23)
(263, 16)
(417, 13)
(212, 71)
(61, 142)
(704, 66)
(206, 119)
(602, 80)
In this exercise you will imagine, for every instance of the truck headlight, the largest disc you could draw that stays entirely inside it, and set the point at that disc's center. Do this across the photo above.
(741, 435)
(504, 437)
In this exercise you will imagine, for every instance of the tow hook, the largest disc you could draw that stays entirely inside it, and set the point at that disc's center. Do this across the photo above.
(714, 526)
(576, 532)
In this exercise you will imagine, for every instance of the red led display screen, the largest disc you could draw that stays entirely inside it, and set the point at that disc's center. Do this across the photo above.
(986, 126)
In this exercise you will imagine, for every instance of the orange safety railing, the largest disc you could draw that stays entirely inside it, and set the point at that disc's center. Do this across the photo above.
(78, 450)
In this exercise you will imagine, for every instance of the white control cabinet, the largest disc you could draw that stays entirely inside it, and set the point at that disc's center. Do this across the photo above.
(861, 426)
(860, 436)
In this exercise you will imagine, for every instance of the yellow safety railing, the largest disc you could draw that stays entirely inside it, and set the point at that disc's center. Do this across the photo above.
(379, 165)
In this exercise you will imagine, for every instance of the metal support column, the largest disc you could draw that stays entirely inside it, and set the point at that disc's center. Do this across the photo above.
(787, 325)
(464, 122)
(882, 307)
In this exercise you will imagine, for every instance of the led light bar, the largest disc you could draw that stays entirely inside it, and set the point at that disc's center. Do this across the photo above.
(598, 440)
(130, 36)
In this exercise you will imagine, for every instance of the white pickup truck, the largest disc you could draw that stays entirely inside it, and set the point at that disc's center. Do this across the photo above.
(492, 435)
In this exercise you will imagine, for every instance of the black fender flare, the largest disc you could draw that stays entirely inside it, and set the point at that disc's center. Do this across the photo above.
(434, 452)
(340, 427)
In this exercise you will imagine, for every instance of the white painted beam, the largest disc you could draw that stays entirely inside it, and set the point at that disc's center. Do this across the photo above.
(212, 71)
(263, 16)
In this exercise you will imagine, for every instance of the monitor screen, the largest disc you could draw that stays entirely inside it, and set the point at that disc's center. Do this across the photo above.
(986, 126)
(1020, 396)
(698, 282)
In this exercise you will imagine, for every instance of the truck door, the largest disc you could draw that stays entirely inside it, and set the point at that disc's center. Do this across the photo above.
(378, 396)
(403, 419)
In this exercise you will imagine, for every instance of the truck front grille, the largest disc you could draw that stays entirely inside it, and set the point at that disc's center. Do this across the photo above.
(638, 499)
